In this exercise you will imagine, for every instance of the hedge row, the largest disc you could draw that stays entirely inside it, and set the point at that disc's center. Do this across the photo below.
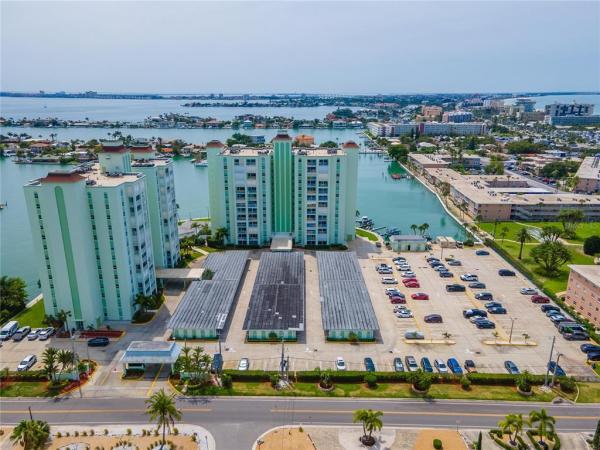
(533, 437)
(30, 375)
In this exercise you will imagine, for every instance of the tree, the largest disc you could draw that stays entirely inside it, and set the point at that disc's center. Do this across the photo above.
(545, 423)
(423, 228)
(50, 361)
(371, 421)
(550, 233)
(523, 236)
(144, 302)
(513, 423)
(221, 234)
(591, 245)
(551, 256)
(13, 293)
(65, 358)
(445, 189)
(163, 410)
(414, 228)
(194, 362)
(31, 434)
(495, 167)
(596, 440)
(570, 218)
(63, 316)
(328, 144)
(503, 232)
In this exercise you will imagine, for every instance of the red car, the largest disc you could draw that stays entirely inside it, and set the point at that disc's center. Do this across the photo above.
(414, 284)
(539, 299)
(394, 299)
(409, 280)
(420, 296)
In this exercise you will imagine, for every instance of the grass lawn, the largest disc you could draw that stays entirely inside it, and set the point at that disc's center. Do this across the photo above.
(584, 230)
(25, 389)
(209, 249)
(367, 234)
(32, 316)
(589, 393)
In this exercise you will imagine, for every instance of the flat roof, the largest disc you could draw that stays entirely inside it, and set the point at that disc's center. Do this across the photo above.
(277, 300)
(180, 274)
(589, 272)
(345, 300)
(207, 303)
(408, 237)
(589, 168)
(151, 352)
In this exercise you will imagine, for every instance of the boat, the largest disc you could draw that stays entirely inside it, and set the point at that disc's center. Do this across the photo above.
(201, 163)
(3, 205)
(388, 160)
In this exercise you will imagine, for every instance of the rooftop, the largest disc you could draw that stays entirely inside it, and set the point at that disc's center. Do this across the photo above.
(591, 273)
(590, 168)
(151, 352)
(408, 237)
(277, 300)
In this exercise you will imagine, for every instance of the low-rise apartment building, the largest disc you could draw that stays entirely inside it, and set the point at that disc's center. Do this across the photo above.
(441, 160)
(449, 129)
(431, 112)
(583, 292)
(457, 116)
(379, 129)
(588, 175)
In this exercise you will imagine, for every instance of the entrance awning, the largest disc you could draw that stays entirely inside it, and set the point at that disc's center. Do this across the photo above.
(281, 243)
(151, 352)
(185, 274)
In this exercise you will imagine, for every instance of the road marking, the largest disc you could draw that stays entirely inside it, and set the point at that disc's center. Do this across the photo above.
(154, 381)
(418, 413)
(93, 411)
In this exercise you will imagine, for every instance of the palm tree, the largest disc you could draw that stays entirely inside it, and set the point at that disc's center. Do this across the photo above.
(62, 316)
(545, 423)
(414, 228)
(371, 421)
(65, 359)
(143, 301)
(503, 232)
(50, 360)
(31, 434)
(523, 236)
(221, 234)
(162, 409)
(512, 424)
(423, 228)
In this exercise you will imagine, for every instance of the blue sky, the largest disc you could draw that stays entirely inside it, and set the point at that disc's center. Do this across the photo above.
(322, 47)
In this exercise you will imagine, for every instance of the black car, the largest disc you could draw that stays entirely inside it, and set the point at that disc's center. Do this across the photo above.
(593, 356)
(576, 336)
(497, 310)
(485, 296)
(489, 305)
(485, 324)
(445, 274)
(482, 253)
(511, 368)
(369, 365)
(433, 318)
(589, 348)
(468, 313)
(98, 342)
(477, 285)
(455, 288)
(506, 273)
(546, 308)
(470, 366)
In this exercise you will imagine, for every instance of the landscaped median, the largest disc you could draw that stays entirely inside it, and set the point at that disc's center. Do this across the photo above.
(367, 234)
(390, 385)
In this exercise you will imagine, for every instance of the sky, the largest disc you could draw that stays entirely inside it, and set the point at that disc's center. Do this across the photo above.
(318, 47)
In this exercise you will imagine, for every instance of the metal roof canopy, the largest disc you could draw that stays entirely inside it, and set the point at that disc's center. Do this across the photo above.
(207, 303)
(277, 300)
(151, 352)
(345, 300)
(179, 274)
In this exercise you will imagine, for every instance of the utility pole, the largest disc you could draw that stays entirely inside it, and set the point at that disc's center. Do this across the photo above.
(512, 324)
(555, 369)
(282, 362)
(549, 359)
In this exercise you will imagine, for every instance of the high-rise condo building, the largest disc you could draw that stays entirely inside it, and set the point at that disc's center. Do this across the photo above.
(306, 194)
(93, 236)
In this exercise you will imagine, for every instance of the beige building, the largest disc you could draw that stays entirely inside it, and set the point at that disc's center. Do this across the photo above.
(589, 175)
(431, 112)
(583, 292)
(421, 161)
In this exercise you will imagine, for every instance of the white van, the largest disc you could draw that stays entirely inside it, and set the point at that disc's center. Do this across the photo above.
(8, 330)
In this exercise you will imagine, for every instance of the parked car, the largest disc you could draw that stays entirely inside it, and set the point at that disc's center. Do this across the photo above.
(426, 365)
(217, 363)
(485, 296)
(485, 324)
(412, 285)
(404, 314)
(511, 368)
(482, 253)
(411, 363)
(34, 334)
(408, 274)
(558, 318)
(469, 277)
(398, 259)
(440, 365)
(397, 299)
(46, 333)
(389, 280)
(414, 334)
(470, 366)
(555, 368)
(454, 366)
(27, 363)
(593, 356)
(98, 342)
(21, 333)
(506, 273)
(445, 274)
(489, 305)
(477, 285)
(539, 299)
(244, 364)
(8, 330)
(369, 365)
(547, 308)
(385, 271)
(576, 336)
(468, 313)
(497, 310)
(420, 296)
(378, 267)
(398, 365)
(394, 293)
(440, 268)
(528, 291)
(455, 262)
(589, 348)
(433, 318)
(455, 288)
(340, 364)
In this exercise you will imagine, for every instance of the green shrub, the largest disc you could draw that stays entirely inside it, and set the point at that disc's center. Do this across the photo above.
(105, 432)
(421, 380)
(175, 431)
(59, 434)
(274, 379)
(437, 444)
(371, 380)
(226, 381)
(567, 384)
(465, 382)
(469, 242)
(523, 382)
(128, 431)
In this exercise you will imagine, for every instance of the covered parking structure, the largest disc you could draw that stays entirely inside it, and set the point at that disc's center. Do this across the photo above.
(204, 310)
(346, 307)
(179, 275)
(276, 310)
(141, 354)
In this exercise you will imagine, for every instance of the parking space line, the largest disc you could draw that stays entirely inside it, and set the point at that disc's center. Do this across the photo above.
(154, 381)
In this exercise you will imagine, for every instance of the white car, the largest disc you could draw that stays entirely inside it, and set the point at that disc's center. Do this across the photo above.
(440, 365)
(340, 364)
(402, 267)
(529, 291)
(34, 334)
(27, 363)
(244, 364)
(469, 277)
(46, 333)
(404, 314)
(408, 274)
(389, 280)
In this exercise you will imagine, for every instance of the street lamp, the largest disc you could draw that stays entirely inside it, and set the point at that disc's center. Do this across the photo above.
(512, 324)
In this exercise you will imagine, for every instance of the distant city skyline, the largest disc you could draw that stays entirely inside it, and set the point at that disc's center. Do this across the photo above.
(294, 47)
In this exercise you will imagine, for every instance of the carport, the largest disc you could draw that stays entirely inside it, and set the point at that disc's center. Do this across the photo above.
(184, 275)
(140, 354)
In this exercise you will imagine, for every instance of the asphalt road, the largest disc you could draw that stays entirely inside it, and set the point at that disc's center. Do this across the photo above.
(236, 422)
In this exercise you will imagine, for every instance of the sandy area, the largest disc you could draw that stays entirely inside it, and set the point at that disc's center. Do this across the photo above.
(286, 439)
(451, 440)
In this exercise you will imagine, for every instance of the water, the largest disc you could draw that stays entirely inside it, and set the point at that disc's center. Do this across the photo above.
(543, 100)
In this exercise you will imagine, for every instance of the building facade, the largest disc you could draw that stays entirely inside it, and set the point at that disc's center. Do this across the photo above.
(457, 116)
(583, 292)
(308, 195)
(569, 109)
(588, 175)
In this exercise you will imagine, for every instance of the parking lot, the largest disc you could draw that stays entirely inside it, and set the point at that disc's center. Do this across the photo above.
(455, 337)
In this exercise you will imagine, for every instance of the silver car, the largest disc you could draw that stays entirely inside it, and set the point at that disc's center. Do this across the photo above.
(244, 364)
(27, 363)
